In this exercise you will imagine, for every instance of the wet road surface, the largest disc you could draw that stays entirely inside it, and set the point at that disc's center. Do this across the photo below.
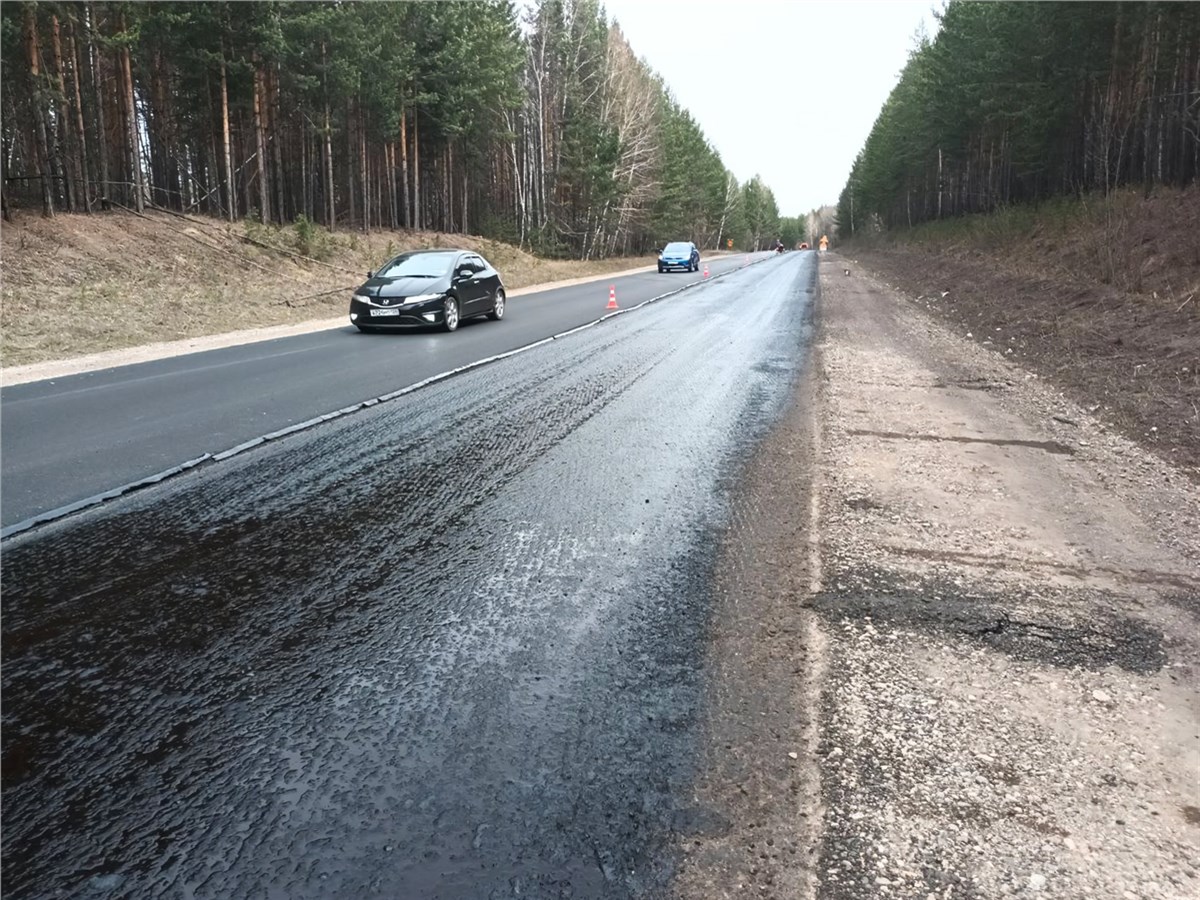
(141, 419)
(450, 646)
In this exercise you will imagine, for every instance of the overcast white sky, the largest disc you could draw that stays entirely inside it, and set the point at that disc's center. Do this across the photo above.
(787, 89)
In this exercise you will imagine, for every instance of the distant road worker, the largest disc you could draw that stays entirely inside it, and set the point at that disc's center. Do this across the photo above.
(824, 243)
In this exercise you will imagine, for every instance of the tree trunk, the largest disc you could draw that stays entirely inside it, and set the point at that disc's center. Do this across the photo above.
(331, 219)
(97, 62)
(404, 199)
(518, 188)
(379, 181)
(230, 191)
(62, 129)
(158, 134)
(417, 217)
(939, 184)
(80, 131)
(131, 121)
(327, 162)
(350, 167)
(389, 171)
(43, 153)
(212, 157)
(448, 189)
(275, 134)
(306, 203)
(363, 169)
(260, 145)
(242, 135)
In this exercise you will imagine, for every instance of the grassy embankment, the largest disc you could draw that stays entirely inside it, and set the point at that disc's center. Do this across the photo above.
(1101, 295)
(77, 284)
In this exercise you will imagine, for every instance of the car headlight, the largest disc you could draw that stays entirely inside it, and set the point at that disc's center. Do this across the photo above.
(420, 298)
(362, 298)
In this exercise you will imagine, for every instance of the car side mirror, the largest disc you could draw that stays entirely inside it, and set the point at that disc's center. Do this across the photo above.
(370, 274)
(463, 274)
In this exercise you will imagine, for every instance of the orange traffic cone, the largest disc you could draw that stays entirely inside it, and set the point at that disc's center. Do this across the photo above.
(706, 270)
(612, 297)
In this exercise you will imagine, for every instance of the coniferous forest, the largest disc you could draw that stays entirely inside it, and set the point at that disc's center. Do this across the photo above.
(537, 124)
(1020, 102)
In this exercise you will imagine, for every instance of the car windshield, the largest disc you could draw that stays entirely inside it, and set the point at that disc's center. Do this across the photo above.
(678, 248)
(418, 265)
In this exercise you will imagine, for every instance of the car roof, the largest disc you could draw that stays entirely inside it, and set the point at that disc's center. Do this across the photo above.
(430, 250)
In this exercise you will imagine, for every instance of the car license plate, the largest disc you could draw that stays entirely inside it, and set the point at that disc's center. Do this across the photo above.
(385, 312)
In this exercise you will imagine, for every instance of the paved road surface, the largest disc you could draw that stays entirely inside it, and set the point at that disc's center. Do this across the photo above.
(70, 438)
(450, 646)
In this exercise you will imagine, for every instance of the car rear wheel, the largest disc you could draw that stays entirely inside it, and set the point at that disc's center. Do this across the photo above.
(497, 312)
(450, 314)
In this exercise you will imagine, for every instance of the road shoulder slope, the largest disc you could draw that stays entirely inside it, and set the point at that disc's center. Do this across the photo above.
(1010, 594)
(988, 670)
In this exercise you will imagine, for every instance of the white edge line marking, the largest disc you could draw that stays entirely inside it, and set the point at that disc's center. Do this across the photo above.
(61, 512)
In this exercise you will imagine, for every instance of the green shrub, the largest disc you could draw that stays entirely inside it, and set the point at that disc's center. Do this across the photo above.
(310, 239)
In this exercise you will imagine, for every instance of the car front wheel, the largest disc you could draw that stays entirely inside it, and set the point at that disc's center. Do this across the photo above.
(497, 312)
(450, 314)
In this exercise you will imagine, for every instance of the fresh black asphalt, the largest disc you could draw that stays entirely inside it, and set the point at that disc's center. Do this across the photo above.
(69, 438)
(453, 645)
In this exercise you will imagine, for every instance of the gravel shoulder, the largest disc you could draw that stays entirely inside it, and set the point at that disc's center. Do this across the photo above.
(975, 629)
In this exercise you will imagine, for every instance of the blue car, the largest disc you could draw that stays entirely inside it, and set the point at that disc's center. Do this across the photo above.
(679, 255)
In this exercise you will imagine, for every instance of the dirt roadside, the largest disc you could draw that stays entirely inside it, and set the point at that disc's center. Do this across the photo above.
(975, 628)
(1101, 296)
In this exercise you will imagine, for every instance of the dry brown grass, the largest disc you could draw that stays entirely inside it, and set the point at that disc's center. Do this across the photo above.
(76, 285)
(1102, 296)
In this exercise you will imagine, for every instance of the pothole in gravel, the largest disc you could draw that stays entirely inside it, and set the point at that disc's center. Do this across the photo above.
(863, 503)
(1049, 446)
(1037, 626)
(974, 384)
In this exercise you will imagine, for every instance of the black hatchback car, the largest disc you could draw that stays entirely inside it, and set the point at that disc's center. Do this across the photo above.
(428, 288)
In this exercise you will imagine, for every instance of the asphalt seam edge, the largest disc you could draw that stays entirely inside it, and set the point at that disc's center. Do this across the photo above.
(77, 506)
